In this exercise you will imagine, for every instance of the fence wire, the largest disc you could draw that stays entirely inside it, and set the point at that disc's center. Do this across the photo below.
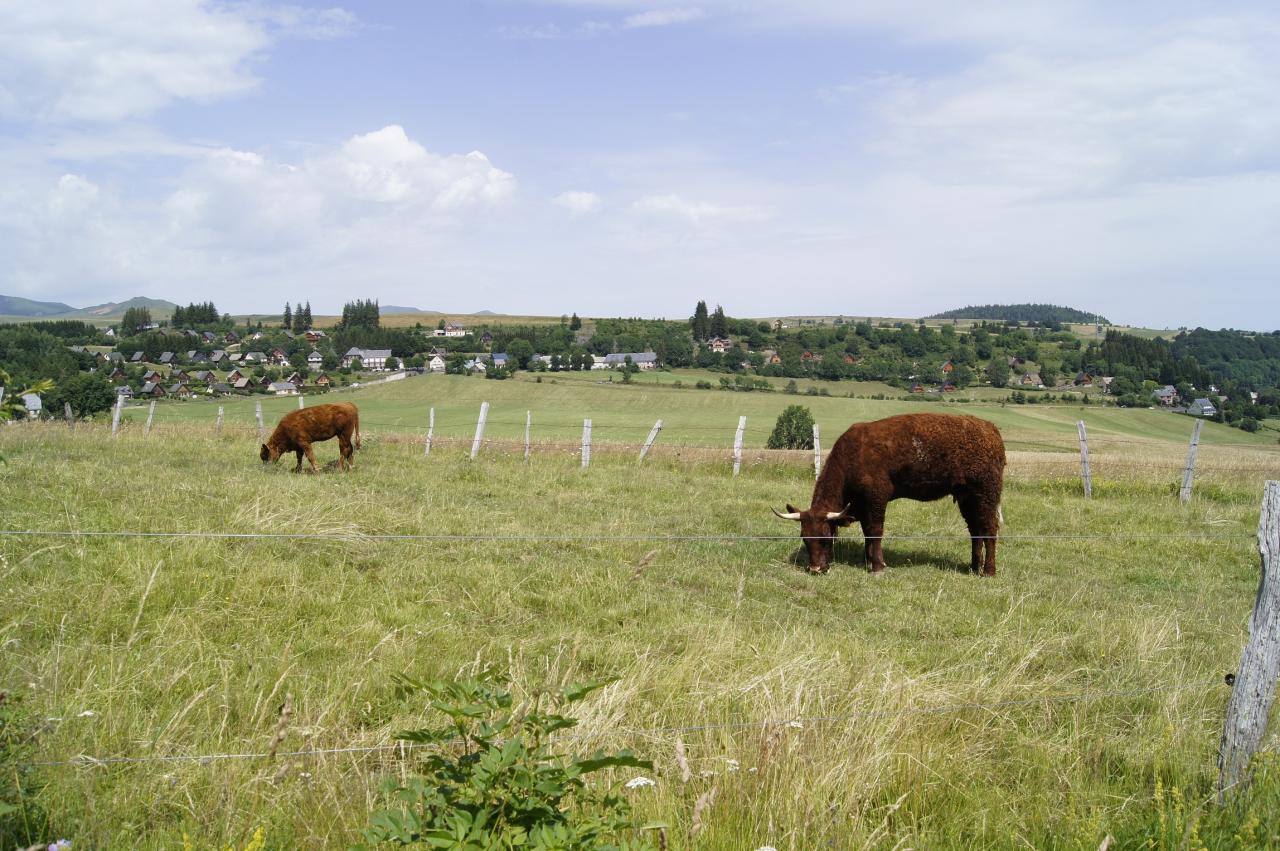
(86, 760)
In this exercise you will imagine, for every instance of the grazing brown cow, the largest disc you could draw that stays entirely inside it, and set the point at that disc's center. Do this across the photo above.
(299, 429)
(917, 456)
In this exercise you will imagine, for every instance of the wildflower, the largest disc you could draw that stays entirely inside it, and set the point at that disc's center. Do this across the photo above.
(88, 713)
(731, 765)
(638, 782)
(795, 725)
(60, 845)
(766, 848)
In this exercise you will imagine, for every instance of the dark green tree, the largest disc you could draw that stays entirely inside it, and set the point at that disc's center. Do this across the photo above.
(574, 322)
(998, 371)
(699, 324)
(793, 429)
(287, 320)
(719, 324)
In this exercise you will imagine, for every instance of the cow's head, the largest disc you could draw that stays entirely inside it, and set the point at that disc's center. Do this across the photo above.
(268, 454)
(818, 531)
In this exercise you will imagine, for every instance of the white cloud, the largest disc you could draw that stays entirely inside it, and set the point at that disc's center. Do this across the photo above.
(577, 202)
(662, 18)
(94, 60)
(699, 212)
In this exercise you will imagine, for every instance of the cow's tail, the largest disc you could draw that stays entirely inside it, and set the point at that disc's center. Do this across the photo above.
(355, 438)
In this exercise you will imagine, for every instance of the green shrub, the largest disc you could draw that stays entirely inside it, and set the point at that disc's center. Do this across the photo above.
(492, 781)
(793, 430)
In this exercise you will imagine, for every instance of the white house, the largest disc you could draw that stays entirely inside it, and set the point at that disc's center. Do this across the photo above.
(314, 360)
(720, 344)
(33, 404)
(641, 360)
(283, 388)
(597, 362)
(436, 364)
(371, 359)
(451, 331)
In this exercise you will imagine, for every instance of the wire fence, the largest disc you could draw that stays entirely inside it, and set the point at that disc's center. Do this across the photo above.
(86, 760)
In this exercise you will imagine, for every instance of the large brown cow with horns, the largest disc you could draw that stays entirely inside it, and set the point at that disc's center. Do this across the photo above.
(917, 456)
(299, 429)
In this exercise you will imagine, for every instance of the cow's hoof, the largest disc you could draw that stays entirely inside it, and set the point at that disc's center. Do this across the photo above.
(878, 571)
(988, 574)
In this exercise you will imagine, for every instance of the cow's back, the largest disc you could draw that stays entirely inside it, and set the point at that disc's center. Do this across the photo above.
(320, 422)
(925, 455)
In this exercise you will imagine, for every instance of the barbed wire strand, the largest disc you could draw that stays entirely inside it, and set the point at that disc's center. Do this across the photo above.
(85, 760)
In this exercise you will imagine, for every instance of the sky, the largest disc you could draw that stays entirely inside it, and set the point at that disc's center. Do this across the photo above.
(628, 158)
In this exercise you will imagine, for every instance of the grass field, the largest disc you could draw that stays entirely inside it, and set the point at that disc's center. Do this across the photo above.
(1077, 695)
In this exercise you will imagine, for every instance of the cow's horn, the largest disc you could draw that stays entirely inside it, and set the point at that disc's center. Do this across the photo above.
(836, 515)
(794, 515)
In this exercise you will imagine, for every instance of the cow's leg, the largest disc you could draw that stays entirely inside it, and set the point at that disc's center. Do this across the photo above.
(980, 517)
(873, 532)
(311, 456)
(346, 453)
(298, 467)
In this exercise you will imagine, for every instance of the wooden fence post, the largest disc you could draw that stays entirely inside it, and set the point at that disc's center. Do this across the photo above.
(1085, 472)
(653, 435)
(528, 425)
(484, 415)
(431, 429)
(1254, 687)
(737, 445)
(71, 420)
(1188, 475)
(302, 402)
(586, 443)
(218, 426)
(115, 416)
(151, 413)
(262, 431)
(817, 453)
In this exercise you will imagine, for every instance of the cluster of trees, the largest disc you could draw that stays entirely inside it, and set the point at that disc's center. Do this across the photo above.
(362, 313)
(32, 358)
(706, 327)
(136, 319)
(195, 315)
(1038, 313)
(297, 319)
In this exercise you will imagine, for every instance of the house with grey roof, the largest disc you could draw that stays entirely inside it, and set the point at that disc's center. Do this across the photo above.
(641, 360)
(1202, 408)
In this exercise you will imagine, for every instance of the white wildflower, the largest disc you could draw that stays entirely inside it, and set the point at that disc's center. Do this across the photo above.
(88, 713)
(731, 765)
(638, 782)
(795, 725)
(766, 848)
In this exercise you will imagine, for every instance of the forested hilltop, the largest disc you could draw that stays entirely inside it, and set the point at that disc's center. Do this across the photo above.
(1022, 313)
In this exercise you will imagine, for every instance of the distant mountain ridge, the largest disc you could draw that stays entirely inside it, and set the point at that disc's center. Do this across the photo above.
(12, 305)
(16, 307)
(1023, 313)
(393, 308)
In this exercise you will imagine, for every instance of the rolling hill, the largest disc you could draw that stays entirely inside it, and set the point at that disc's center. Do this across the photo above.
(12, 305)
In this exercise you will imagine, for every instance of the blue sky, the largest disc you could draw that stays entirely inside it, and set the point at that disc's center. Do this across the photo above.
(629, 158)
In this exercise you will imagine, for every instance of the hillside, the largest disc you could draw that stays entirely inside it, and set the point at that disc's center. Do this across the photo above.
(1022, 313)
(12, 305)
(115, 310)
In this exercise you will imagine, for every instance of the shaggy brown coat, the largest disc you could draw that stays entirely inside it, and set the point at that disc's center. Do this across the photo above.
(299, 429)
(916, 456)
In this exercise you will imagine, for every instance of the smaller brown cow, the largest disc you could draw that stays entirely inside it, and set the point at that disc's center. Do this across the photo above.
(299, 429)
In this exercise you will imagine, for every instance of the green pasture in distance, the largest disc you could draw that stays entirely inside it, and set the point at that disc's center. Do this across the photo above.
(624, 413)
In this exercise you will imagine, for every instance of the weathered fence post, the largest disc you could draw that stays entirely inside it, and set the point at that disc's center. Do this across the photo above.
(218, 426)
(586, 443)
(817, 453)
(528, 425)
(1085, 472)
(71, 420)
(151, 413)
(431, 430)
(262, 431)
(1188, 475)
(115, 416)
(1254, 687)
(737, 445)
(653, 435)
(302, 401)
(484, 415)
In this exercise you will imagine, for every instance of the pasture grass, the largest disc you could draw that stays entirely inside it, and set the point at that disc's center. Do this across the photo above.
(1077, 695)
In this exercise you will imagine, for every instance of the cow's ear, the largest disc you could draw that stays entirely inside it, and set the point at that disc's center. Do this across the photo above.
(791, 509)
(265, 454)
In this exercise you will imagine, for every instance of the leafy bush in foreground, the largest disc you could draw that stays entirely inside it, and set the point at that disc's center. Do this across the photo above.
(492, 780)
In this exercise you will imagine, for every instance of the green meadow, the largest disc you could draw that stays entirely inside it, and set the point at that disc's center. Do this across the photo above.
(1077, 695)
